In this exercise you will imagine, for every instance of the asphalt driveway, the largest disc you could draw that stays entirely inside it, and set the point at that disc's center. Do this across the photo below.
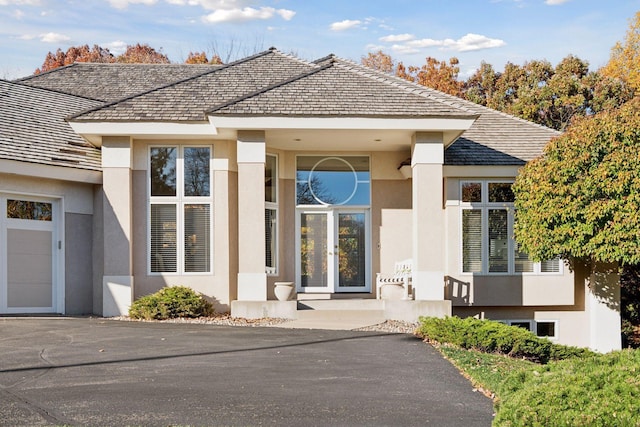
(98, 372)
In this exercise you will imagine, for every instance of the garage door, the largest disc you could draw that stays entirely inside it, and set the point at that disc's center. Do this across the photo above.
(28, 237)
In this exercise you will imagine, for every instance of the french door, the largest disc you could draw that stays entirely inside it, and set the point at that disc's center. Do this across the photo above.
(333, 250)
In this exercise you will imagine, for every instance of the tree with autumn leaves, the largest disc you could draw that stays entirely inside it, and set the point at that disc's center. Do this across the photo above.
(536, 91)
(134, 54)
(581, 198)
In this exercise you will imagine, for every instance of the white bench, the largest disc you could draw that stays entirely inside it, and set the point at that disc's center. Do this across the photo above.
(401, 277)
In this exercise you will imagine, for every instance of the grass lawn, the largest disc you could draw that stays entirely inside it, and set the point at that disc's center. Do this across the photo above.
(598, 390)
(485, 371)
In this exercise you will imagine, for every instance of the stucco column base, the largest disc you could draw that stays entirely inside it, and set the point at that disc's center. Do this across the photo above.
(117, 295)
(603, 301)
(262, 309)
(252, 286)
(411, 311)
(428, 285)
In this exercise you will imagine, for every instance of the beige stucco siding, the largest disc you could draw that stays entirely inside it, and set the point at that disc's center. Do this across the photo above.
(78, 197)
(78, 263)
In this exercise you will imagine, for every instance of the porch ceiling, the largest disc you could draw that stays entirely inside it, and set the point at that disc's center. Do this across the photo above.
(340, 140)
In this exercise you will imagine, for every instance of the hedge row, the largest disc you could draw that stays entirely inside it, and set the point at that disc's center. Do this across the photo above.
(495, 337)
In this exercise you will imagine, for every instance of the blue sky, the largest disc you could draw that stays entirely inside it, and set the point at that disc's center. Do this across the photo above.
(496, 31)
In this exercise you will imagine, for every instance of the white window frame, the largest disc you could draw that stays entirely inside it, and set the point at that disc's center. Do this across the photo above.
(485, 206)
(273, 271)
(180, 200)
(533, 326)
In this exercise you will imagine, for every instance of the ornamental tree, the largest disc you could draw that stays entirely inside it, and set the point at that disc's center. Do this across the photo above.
(581, 199)
(625, 57)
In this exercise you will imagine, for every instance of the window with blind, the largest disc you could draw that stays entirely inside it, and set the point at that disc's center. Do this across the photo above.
(487, 219)
(271, 213)
(180, 209)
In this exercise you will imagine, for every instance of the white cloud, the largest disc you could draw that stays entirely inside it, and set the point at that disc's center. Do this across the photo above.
(374, 47)
(27, 37)
(404, 49)
(20, 2)
(247, 14)
(475, 42)
(397, 38)
(18, 14)
(117, 47)
(347, 24)
(286, 14)
(213, 4)
(54, 38)
(555, 2)
(469, 42)
(428, 43)
(123, 4)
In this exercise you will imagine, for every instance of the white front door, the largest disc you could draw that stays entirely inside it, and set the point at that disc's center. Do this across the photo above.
(28, 255)
(333, 250)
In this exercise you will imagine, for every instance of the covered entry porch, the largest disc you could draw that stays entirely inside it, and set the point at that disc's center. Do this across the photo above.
(333, 217)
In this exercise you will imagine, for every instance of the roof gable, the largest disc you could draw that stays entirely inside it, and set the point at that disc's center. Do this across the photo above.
(187, 100)
(334, 90)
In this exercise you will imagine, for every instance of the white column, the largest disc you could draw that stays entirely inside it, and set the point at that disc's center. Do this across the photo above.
(427, 160)
(603, 305)
(252, 277)
(117, 280)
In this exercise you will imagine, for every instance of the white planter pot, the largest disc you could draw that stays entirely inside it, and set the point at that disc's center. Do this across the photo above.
(283, 290)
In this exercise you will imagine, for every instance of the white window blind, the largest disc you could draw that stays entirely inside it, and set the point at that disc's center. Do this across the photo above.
(498, 241)
(197, 238)
(472, 240)
(271, 213)
(550, 266)
(163, 238)
(270, 222)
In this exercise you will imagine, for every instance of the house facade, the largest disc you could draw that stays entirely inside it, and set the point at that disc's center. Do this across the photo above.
(230, 178)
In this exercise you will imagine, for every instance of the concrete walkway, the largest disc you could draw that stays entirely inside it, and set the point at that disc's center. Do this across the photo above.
(97, 372)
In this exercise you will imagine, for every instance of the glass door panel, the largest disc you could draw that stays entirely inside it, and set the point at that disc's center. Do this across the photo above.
(313, 250)
(333, 251)
(352, 251)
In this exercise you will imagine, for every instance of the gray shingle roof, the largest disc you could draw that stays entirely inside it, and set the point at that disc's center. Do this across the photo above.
(334, 89)
(272, 83)
(111, 82)
(33, 129)
(495, 138)
(188, 100)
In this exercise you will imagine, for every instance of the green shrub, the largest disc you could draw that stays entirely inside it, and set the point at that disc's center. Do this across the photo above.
(170, 303)
(495, 337)
(600, 390)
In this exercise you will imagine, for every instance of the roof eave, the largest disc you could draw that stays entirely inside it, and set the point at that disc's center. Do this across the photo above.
(94, 131)
(40, 170)
(451, 126)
